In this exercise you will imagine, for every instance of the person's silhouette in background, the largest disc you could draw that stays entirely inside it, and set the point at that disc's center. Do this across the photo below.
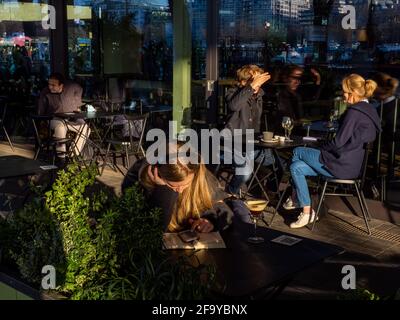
(290, 97)
(386, 93)
(159, 98)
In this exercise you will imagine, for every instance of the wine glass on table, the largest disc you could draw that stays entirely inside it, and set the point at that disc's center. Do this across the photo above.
(307, 124)
(290, 129)
(288, 125)
(256, 208)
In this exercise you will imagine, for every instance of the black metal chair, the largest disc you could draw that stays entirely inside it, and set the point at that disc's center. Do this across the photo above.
(128, 143)
(257, 180)
(3, 112)
(45, 140)
(358, 183)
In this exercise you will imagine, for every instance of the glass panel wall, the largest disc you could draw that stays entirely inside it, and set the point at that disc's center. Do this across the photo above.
(326, 38)
(122, 51)
(24, 47)
(198, 13)
(198, 16)
(82, 38)
(24, 58)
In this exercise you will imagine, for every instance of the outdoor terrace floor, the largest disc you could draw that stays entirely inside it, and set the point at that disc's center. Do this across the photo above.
(376, 258)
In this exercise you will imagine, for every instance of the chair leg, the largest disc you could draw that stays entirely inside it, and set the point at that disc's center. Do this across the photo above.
(216, 170)
(254, 177)
(383, 188)
(8, 138)
(275, 169)
(262, 188)
(279, 204)
(319, 205)
(143, 152)
(362, 208)
(54, 155)
(37, 153)
(106, 158)
(127, 157)
(365, 205)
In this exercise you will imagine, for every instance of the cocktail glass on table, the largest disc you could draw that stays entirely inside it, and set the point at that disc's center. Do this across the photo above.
(256, 208)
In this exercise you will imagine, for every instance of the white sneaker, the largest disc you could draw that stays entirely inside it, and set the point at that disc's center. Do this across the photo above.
(303, 220)
(290, 204)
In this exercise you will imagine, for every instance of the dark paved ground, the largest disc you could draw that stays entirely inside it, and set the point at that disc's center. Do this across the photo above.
(376, 258)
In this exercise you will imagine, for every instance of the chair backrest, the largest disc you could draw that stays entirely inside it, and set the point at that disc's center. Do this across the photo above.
(367, 147)
(137, 126)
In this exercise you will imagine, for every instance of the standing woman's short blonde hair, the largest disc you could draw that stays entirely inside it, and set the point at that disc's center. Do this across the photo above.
(358, 86)
(247, 72)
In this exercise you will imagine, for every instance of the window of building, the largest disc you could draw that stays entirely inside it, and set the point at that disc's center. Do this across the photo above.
(24, 48)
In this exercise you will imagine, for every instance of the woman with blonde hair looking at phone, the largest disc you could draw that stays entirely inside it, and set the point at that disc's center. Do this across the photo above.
(188, 194)
(343, 156)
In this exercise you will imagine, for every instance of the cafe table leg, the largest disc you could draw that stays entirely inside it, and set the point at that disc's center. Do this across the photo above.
(255, 177)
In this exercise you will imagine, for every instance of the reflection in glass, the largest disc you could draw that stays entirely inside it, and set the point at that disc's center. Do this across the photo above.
(24, 59)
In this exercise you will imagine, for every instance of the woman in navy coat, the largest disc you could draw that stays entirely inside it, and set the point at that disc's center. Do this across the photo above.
(342, 157)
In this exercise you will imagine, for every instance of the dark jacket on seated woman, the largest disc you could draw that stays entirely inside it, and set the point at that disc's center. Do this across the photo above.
(245, 108)
(343, 156)
(163, 197)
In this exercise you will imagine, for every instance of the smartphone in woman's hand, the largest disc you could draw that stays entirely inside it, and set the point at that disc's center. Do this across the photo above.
(188, 236)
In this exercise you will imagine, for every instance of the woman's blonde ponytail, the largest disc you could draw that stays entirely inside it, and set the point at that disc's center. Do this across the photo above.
(358, 86)
(370, 87)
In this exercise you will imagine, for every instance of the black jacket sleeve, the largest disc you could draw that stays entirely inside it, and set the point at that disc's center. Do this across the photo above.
(310, 93)
(238, 98)
(289, 105)
(164, 198)
(220, 216)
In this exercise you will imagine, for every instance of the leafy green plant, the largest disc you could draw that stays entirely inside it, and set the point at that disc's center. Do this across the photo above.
(103, 247)
(32, 239)
(147, 272)
(88, 260)
(364, 294)
(359, 294)
(163, 278)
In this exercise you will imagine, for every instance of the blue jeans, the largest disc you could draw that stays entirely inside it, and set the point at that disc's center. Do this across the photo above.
(239, 180)
(305, 163)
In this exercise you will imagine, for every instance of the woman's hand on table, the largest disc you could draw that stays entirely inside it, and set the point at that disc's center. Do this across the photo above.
(201, 225)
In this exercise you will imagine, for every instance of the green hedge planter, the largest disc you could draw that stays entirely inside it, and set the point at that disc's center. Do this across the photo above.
(101, 246)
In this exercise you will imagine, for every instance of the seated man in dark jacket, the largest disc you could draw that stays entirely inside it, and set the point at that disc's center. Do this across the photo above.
(188, 195)
(290, 98)
(341, 158)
